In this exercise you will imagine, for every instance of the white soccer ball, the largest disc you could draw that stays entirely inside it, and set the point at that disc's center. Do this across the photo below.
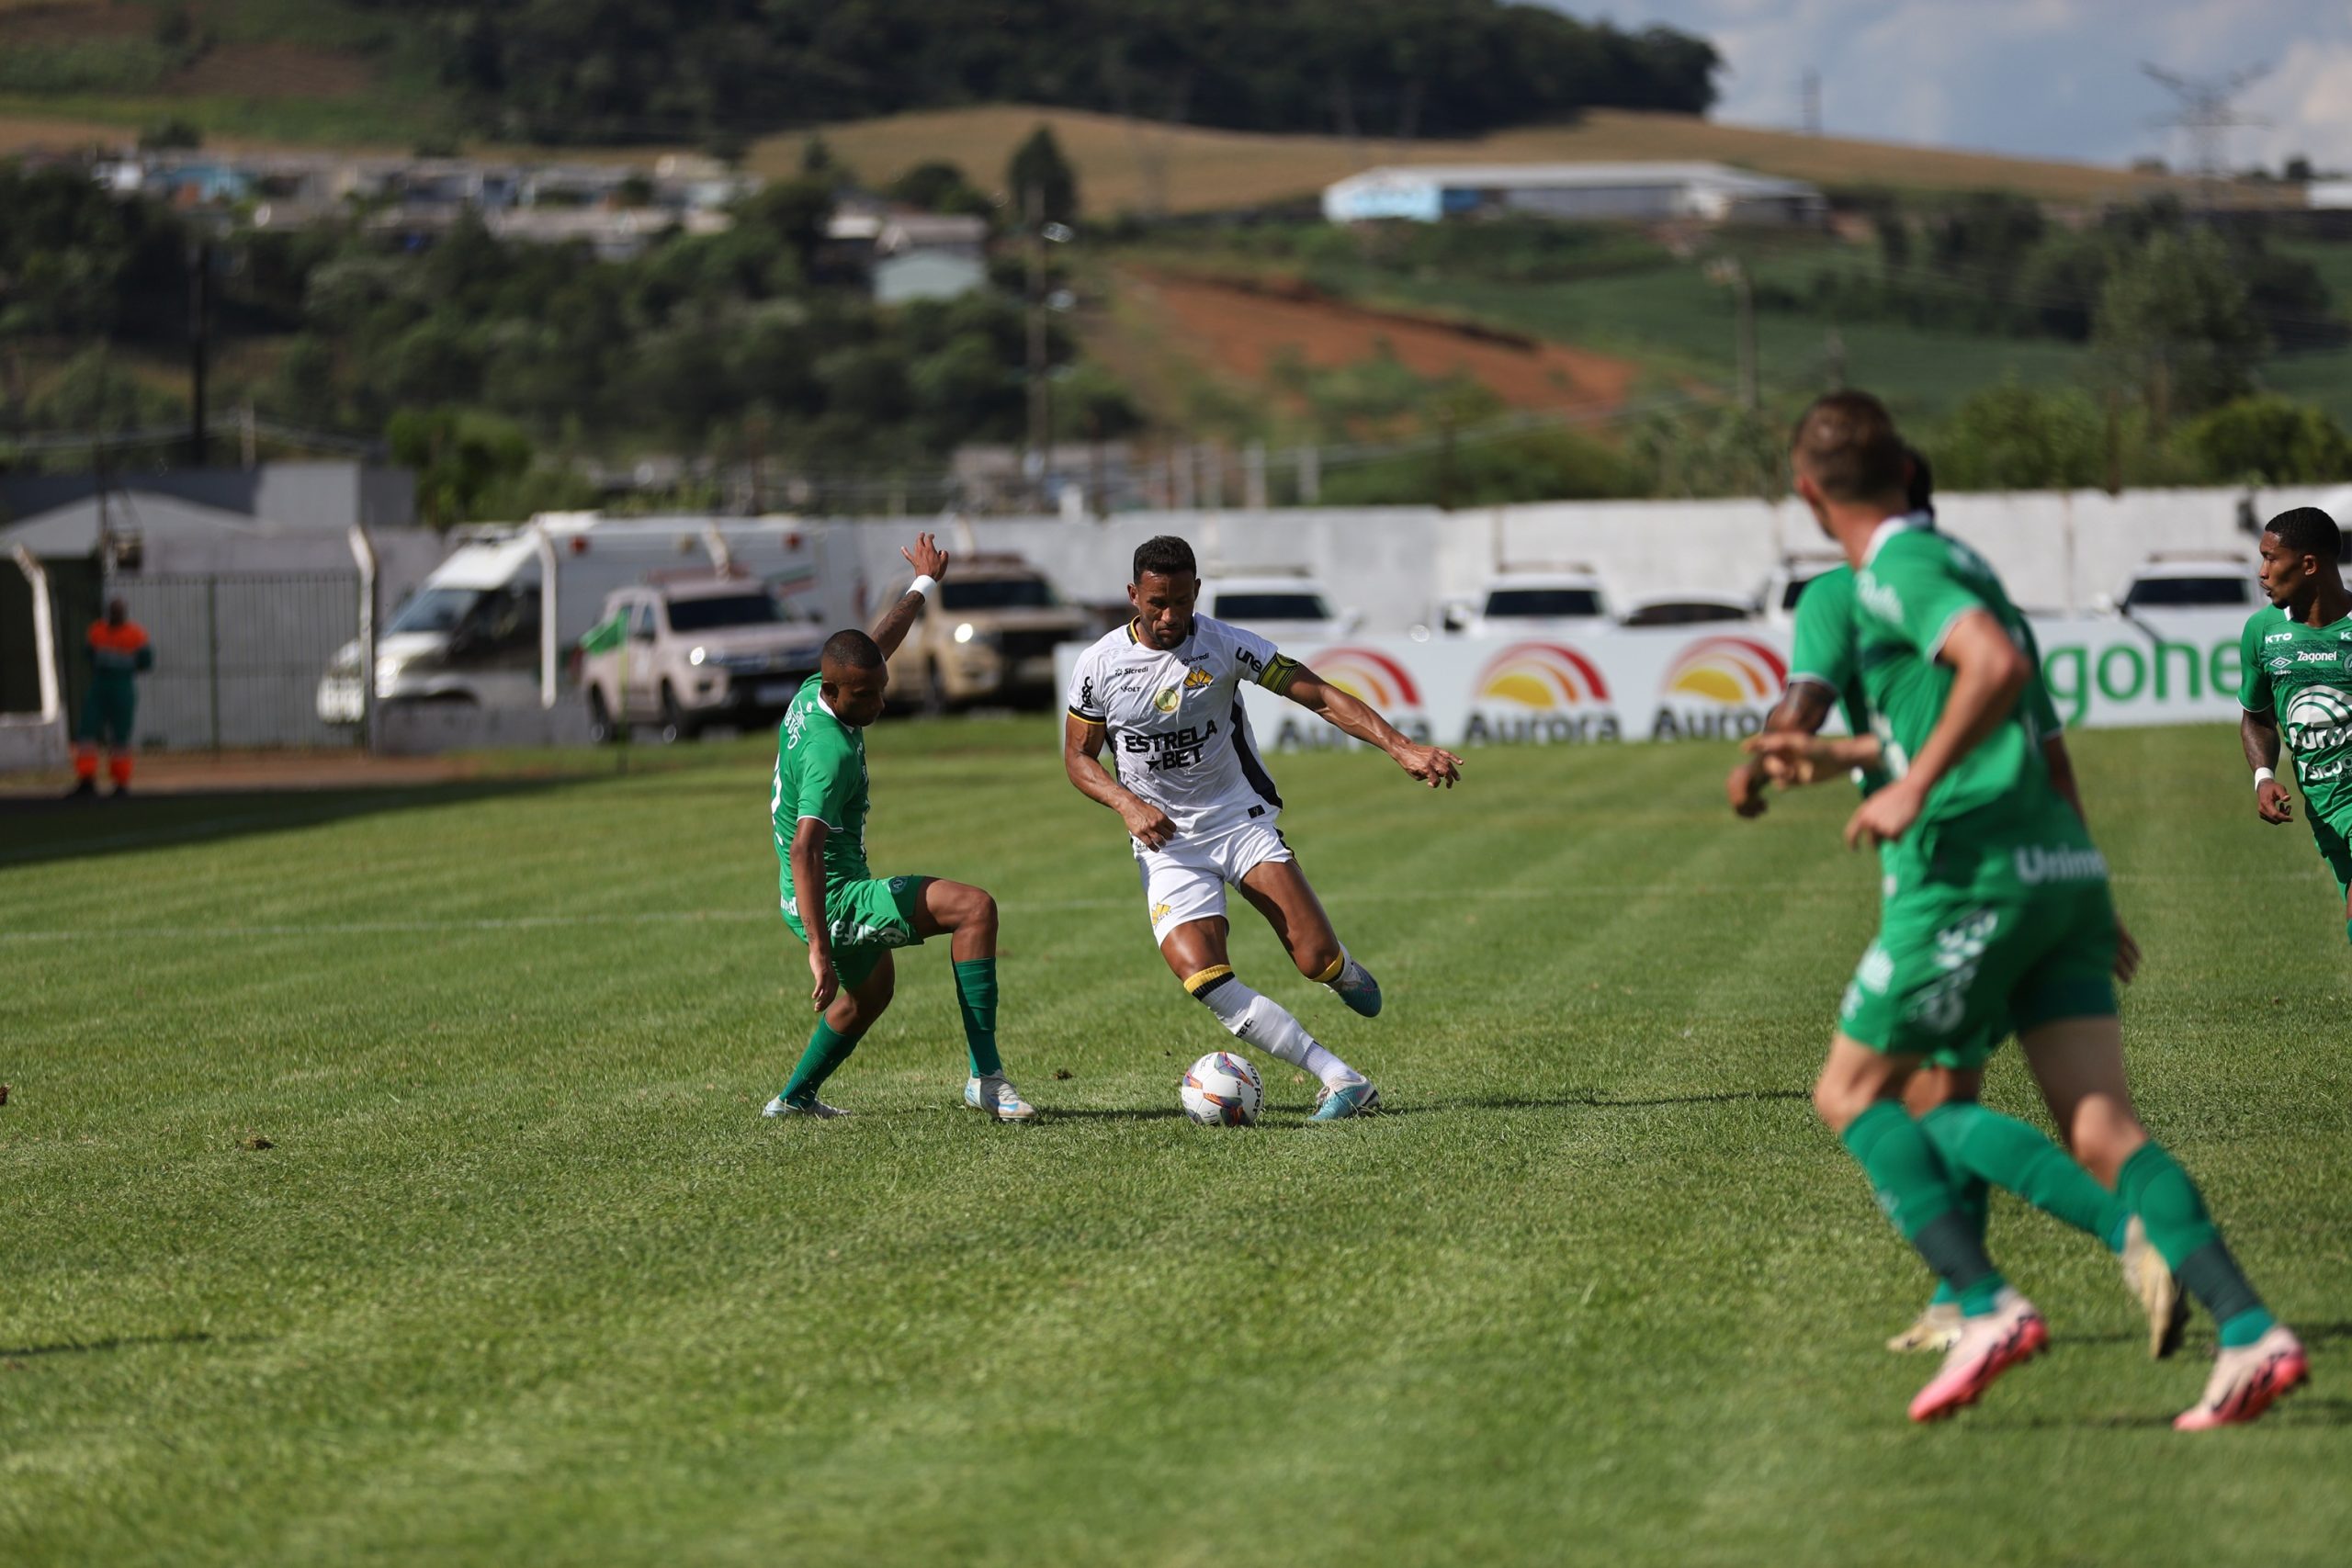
(1221, 1090)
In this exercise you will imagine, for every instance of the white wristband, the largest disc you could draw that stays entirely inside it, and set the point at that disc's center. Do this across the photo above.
(2263, 776)
(923, 585)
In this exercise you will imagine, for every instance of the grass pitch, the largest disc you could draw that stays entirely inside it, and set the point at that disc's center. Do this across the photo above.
(521, 1276)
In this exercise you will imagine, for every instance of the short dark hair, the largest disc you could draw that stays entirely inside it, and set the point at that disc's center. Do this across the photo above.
(1922, 493)
(1848, 443)
(852, 650)
(1165, 555)
(2307, 531)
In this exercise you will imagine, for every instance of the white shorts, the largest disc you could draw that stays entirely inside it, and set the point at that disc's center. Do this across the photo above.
(1186, 880)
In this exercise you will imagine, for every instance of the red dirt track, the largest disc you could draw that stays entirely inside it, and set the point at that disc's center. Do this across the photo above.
(1240, 325)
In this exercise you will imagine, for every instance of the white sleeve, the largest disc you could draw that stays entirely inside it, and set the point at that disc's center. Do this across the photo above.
(1251, 656)
(1086, 694)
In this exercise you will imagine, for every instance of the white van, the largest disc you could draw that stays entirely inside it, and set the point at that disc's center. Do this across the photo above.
(470, 634)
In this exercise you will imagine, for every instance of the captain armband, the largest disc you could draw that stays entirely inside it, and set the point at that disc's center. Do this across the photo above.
(1279, 672)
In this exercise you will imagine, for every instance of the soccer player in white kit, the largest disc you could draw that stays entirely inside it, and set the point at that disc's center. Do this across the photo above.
(1201, 811)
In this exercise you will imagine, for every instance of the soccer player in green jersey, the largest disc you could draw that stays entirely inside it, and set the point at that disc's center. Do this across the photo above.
(1981, 1147)
(818, 809)
(1995, 909)
(2298, 657)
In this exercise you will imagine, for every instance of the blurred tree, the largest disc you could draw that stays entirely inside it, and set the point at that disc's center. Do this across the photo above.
(2269, 440)
(2174, 324)
(1040, 183)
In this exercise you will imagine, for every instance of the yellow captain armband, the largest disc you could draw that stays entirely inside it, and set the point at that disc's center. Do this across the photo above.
(1279, 672)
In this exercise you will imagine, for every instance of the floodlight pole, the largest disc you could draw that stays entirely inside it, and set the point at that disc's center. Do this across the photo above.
(362, 552)
(546, 547)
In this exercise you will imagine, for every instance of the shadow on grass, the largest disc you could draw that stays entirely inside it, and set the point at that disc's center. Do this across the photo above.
(1603, 1101)
(32, 831)
(112, 1342)
(2303, 1409)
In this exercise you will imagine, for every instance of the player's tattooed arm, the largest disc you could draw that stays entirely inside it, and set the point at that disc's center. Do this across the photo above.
(808, 898)
(1083, 740)
(2258, 733)
(1350, 715)
(929, 561)
(1802, 709)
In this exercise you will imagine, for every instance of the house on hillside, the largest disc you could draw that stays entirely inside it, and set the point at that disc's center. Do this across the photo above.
(1708, 193)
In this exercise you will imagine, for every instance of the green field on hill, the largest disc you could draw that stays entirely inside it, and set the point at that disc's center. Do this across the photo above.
(521, 1275)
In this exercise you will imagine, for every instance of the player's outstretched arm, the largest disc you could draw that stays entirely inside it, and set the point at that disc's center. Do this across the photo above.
(1989, 672)
(929, 561)
(1082, 741)
(1432, 765)
(2258, 733)
(1802, 709)
(809, 898)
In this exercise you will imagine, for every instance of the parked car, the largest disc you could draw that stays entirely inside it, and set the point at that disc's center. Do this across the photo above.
(1533, 604)
(698, 649)
(989, 635)
(1787, 582)
(2186, 579)
(1289, 609)
(1687, 610)
(471, 635)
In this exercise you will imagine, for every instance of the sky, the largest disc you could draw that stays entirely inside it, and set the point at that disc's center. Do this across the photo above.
(2033, 78)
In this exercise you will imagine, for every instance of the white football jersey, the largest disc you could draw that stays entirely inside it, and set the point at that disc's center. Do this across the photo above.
(1179, 737)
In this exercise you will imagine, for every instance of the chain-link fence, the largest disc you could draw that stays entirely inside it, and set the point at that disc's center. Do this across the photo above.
(238, 657)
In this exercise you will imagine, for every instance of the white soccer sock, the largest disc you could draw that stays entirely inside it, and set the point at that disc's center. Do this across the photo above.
(1351, 972)
(1262, 1021)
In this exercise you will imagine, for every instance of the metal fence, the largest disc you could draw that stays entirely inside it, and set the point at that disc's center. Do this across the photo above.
(238, 657)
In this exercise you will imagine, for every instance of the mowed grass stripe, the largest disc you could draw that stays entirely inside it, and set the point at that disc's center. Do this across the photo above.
(525, 1274)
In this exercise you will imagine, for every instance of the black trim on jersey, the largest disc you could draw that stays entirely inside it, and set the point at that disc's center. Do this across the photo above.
(1260, 780)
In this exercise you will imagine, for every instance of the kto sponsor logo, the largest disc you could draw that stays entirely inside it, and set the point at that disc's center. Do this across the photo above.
(1540, 693)
(1371, 677)
(1718, 688)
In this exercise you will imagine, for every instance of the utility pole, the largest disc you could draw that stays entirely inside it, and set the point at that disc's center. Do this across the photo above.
(1809, 90)
(1733, 272)
(199, 270)
(1033, 232)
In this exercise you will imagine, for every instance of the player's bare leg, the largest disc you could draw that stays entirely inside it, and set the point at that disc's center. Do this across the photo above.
(967, 917)
(1279, 890)
(1195, 953)
(1858, 1095)
(853, 1010)
(2079, 1063)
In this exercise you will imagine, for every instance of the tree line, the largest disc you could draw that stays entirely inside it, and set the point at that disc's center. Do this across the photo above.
(569, 71)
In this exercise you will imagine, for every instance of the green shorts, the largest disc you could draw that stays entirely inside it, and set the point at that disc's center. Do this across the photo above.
(1972, 944)
(865, 920)
(108, 711)
(2334, 835)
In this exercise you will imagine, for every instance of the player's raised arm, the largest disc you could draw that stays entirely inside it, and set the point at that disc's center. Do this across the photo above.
(1350, 715)
(931, 564)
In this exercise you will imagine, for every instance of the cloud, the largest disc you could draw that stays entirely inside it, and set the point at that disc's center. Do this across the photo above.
(2046, 78)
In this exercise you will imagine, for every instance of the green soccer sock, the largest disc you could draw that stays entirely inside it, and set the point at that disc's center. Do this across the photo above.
(2013, 1155)
(1915, 1192)
(827, 1050)
(1976, 1207)
(976, 999)
(2168, 1203)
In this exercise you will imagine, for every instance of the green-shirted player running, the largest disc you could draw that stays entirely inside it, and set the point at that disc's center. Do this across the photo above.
(1980, 1147)
(1996, 912)
(2298, 659)
(819, 809)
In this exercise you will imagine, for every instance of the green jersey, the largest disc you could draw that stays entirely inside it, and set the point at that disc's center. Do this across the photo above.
(1914, 586)
(2305, 674)
(1823, 652)
(819, 772)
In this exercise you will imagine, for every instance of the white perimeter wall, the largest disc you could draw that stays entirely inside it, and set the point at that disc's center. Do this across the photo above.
(2056, 550)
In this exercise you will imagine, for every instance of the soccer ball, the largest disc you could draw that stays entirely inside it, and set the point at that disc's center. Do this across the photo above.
(1221, 1090)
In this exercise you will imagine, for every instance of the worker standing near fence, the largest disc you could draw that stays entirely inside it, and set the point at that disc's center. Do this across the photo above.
(118, 654)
